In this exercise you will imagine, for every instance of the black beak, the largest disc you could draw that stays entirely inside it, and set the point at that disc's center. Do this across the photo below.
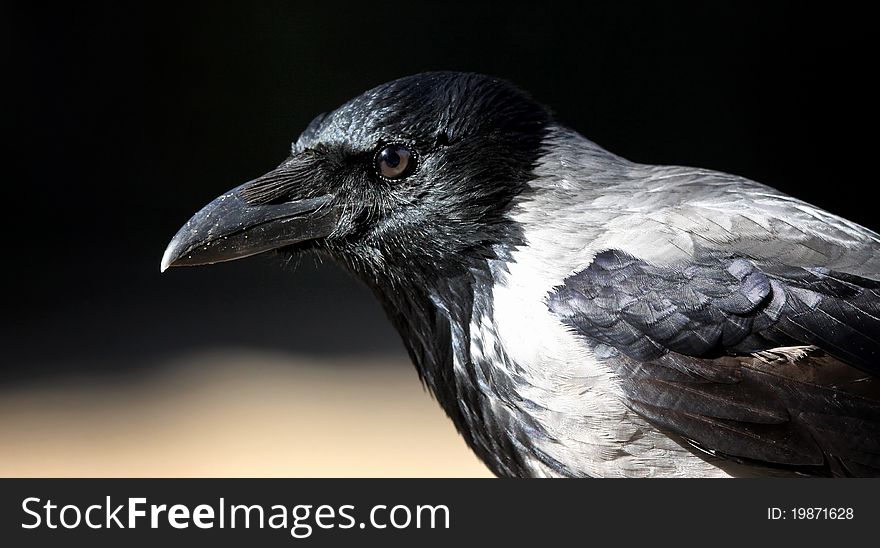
(231, 228)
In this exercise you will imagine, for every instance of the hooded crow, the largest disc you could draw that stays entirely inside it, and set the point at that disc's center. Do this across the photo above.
(574, 313)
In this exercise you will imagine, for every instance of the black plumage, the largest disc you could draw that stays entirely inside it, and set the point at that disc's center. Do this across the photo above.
(725, 311)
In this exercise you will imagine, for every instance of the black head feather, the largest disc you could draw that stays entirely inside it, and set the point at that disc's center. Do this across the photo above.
(476, 140)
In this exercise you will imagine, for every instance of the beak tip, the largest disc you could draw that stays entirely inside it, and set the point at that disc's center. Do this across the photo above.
(168, 258)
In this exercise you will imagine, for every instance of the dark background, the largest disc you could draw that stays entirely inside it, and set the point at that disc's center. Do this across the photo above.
(124, 120)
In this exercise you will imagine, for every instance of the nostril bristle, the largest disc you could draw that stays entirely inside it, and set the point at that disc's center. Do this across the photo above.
(289, 181)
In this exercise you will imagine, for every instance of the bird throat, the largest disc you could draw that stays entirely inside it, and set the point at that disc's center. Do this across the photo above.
(435, 316)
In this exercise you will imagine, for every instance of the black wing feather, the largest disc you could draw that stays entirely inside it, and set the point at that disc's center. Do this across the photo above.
(683, 342)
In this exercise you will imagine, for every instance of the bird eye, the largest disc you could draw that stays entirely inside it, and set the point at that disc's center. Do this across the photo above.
(395, 161)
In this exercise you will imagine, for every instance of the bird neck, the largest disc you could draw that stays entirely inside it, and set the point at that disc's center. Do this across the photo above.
(434, 315)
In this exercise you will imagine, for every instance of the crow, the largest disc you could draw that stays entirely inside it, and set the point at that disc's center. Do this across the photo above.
(574, 313)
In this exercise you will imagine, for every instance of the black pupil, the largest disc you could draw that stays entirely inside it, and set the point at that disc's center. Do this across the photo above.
(391, 157)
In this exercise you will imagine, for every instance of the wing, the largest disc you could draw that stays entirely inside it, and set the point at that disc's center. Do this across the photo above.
(746, 359)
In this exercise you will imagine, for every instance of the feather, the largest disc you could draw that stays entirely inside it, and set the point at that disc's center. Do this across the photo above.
(693, 344)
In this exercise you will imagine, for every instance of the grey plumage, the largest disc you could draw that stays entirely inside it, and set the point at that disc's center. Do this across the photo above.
(577, 314)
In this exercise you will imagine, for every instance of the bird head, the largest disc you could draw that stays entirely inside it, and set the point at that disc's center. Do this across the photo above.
(419, 171)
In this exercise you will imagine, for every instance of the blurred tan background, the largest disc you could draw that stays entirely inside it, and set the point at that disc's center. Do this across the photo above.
(234, 413)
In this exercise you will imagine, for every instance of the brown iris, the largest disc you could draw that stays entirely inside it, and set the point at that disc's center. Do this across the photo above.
(395, 161)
